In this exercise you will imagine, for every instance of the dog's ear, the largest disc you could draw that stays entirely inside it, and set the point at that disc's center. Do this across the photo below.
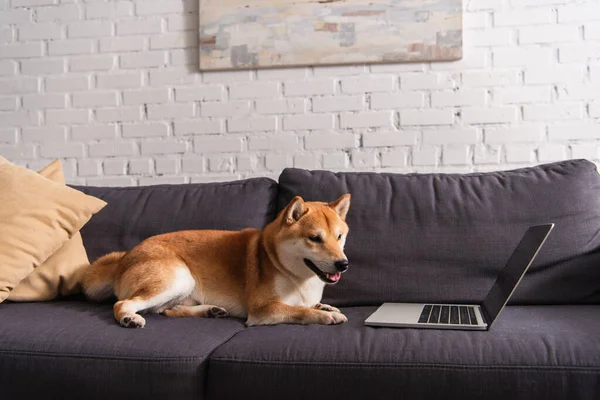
(341, 206)
(294, 210)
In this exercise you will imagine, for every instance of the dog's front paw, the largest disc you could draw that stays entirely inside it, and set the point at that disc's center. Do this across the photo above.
(326, 307)
(132, 321)
(334, 318)
(217, 312)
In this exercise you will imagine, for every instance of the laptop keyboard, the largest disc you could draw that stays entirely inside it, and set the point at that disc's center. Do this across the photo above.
(441, 314)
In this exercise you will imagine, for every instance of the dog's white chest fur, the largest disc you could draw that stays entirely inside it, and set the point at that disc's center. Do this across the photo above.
(307, 294)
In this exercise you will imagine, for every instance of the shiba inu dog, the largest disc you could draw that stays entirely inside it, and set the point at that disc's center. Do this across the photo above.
(272, 276)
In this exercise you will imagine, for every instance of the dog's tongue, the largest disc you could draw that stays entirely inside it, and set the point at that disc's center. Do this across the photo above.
(334, 277)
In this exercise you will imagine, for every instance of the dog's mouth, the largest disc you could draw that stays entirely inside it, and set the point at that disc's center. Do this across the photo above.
(324, 276)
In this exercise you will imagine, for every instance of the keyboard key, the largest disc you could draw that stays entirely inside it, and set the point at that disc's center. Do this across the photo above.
(445, 315)
(472, 315)
(464, 316)
(435, 315)
(425, 314)
(454, 315)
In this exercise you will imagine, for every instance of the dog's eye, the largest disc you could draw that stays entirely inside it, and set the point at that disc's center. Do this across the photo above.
(340, 236)
(316, 239)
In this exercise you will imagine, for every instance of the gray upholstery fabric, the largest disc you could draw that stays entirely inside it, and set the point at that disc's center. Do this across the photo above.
(136, 213)
(532, 352)
(74, 350)
(444, 237)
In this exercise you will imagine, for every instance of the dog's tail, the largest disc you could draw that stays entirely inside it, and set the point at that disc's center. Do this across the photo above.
(98, 279)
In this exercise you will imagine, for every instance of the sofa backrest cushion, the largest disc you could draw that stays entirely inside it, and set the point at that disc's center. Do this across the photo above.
(136, 213)
(445, 237)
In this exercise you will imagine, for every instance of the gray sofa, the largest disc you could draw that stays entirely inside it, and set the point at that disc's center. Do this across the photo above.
(416, 237)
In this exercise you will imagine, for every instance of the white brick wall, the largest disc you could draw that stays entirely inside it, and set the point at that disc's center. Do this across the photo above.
(112, 87)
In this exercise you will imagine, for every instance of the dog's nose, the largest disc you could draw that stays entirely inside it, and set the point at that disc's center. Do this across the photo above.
(341, 265)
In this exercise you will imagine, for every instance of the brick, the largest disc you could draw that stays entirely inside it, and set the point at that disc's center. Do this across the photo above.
(455, 155)
(92, 63)
(245, 163)
(62, 150)
(63, 12)
(192, 164)
(280, 74)
(338, 103)
(312, 121)
(39, 31)
(561, 74)
(484, 5)
(184, 57)
(174, 40)
(474, 97)
(8, 135)
(44, 134)
(8, 103)
(578, 13)
(306, 161)
(426, 117)
(142, 27)
(472, 59)
(122, 80)
(228, 109)
(42, 67)
(141, 166)
(363, 159)
(274, 142)
(526, 3)
(198, 127)
(579, 52)
(146, 96)
(172, 77)
(425, 156)
(552, 112)
(21, 50)
(121, 44)
(160, 7)
(144, 59)
(277, 162)
(367, 119)
(44, 101)
(67, 116)
(178, 23)
(523, 17)
(167, 165)
(68, 83)
(382, 101)
(523, 56)
(7, 34)
(493, 78)
(520, 153)
(500, 135)
(329, 140)
(394, 158)
(281, 106)
(310, 87)
(492, 115)
(252, 124)
(451, 136)
(19, 118)
(91, 132)
(89, 29)
(95, 99)
(475, 20)
(113, 181)
(201, 93)
(19, 85)
(401, 138)
(29, 3)
(113, 149)
(335, 160)
(342, 70)
(548, 34)
(585, 150)
(221, 164)
(88, 167)
(486, 154)
(552, 152)
(522, 94)
(573, 132)
(427, 81)
(68, 47)
(368, 84)
(8, 68)
(594, 110)
(218, 144)
(151, 129)
(254, 90)
(18, 152)
(118, 114)
(592, 31)
(110, 11)
(226, 76)
(170, 111)
(115, 167)
(8, 17)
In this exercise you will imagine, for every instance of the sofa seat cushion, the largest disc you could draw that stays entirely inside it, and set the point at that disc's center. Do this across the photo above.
(75, 349)
(136, 213)
(532, 352)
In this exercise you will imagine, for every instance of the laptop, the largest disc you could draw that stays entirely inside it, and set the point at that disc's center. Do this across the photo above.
(468, 316)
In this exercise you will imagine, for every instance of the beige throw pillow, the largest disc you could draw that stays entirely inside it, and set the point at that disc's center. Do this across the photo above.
(37, 216)
(57, 276)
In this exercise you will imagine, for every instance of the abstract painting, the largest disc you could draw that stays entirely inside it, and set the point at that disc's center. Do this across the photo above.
(243, 34)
